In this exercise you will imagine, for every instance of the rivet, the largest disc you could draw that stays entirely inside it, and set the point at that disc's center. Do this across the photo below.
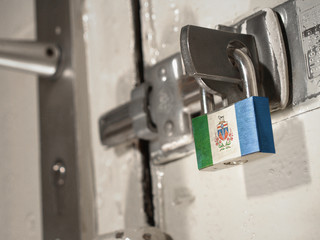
(168, 127)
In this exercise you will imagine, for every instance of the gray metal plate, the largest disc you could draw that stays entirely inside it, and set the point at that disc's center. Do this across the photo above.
(60, 121)
(174, 139)
(300, 23)
(273, 68)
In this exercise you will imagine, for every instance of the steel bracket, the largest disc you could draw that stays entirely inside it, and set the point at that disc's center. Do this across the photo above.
(265, 27)
(159, 111)
(171, 117)
(205, 57)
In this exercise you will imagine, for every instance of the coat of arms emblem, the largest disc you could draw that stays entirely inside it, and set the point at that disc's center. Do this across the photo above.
(224, 135)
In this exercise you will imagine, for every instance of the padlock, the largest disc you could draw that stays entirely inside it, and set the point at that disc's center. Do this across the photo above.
(241, 131)
(232, 135)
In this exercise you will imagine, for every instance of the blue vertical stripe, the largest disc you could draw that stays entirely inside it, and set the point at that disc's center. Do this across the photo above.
(264, 125)
(254, 125)
(247, 126)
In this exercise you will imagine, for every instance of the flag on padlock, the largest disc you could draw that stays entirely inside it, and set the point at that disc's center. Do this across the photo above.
(234, 134)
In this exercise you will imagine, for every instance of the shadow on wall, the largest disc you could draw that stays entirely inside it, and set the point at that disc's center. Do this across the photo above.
(134, 216)
(286, 169)
(124, 86)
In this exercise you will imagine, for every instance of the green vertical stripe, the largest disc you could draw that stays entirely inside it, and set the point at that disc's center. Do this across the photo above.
(202, 141)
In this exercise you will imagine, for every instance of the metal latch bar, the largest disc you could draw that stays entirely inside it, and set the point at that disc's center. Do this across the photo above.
(159, 111)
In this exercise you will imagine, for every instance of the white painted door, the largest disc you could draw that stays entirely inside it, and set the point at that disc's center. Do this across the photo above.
(20, 198)
(109, 38)
(272, 198)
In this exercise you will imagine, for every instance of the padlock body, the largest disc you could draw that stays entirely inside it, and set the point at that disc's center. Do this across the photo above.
(233, 135)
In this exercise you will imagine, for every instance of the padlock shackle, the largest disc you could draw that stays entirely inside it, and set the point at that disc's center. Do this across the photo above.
(240, 58)
(246, 68)
(207, 101)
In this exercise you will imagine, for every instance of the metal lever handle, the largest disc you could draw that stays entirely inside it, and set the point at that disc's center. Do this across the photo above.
(33, 57)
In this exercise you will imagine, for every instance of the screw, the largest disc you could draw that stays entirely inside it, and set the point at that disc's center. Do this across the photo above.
(168, 127)
(119, 234)
(162, 74)
(57, 30)
(59, 172)
(146, 236)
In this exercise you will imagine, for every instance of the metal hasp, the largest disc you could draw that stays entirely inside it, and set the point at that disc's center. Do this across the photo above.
(66, 171)
(33, 57)
(300, 21)
(159, 111)
(222, 62)
(207, 58)
(234, 134)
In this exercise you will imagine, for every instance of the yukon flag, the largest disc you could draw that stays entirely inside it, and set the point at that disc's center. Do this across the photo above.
(233, 135)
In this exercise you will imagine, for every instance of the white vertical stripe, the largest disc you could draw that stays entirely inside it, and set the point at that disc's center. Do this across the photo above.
(223, 152)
